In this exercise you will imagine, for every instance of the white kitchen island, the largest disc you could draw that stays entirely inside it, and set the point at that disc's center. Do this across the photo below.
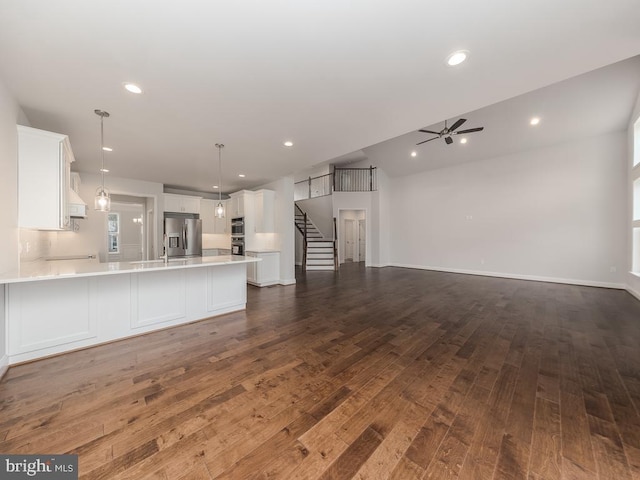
(54, 307)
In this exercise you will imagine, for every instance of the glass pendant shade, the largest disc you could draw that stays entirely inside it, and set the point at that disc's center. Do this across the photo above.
(103, 200)
(219, 211)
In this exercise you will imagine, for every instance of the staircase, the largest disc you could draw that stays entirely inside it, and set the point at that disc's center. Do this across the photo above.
(320, 253)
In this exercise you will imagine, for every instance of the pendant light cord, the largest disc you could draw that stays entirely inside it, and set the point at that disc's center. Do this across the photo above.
(220, 146)
(102, 147)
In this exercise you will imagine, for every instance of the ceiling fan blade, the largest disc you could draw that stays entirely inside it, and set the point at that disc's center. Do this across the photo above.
(459, 122)
(430, 131)
(425, 141)
(449, 140)
(471, 130)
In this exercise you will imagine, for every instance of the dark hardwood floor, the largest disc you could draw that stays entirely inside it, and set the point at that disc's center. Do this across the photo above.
(369, 373)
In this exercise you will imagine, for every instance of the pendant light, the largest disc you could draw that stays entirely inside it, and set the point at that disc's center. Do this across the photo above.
(219, 210)
(103, 200)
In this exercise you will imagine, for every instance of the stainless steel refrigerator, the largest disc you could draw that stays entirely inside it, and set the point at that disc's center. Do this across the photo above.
(184, 236)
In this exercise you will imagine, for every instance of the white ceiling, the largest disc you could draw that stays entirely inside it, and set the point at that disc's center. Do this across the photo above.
(333, 76)
(590, 104)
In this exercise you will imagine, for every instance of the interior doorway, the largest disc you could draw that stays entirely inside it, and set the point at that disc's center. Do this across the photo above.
(352, 243)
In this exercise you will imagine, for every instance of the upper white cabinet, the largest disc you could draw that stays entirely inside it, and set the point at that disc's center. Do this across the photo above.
(211, 223)
(264, 208)
(257, 208)
(181, 203)
(236, 204)
(44, 160)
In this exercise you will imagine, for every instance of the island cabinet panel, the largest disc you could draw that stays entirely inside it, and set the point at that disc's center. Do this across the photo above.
(226, 287)
(46, 317)
(42, 315)
(157, 297)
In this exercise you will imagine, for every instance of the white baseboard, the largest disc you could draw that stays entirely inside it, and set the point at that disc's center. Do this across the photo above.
(633, 292)
(287, 281)
(534, 278)
(380, 265)
(4, 365)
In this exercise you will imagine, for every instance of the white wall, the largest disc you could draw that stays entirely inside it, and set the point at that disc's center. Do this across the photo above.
(555, 213)
(633, 234)
(284, 237)
(90, 237)
(10, 115)
(320, 211)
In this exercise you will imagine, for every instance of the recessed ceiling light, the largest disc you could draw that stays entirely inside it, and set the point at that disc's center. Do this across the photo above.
(414, 154)
(463, 140)
(456, 58)
(288, 143)
(133, 88)
(534, 121)
(107, 149)
(241, 175)
(104, 170)
(216, 186)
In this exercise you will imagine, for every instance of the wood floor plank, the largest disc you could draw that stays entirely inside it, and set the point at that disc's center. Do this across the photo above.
(367, 373)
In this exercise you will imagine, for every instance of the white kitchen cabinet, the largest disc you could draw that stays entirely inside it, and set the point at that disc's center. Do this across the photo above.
(44, 160)
(267, 271)
(264, 211)
(211, 223)
(181, 203)
(236, 204)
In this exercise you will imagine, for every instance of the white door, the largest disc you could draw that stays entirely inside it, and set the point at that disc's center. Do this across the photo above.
(361, 241)
(349, 244)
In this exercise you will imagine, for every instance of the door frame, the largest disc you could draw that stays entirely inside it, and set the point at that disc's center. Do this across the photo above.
(341, 249)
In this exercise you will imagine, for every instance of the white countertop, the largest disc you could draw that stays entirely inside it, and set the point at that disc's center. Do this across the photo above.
(262, 250)
(43, 270)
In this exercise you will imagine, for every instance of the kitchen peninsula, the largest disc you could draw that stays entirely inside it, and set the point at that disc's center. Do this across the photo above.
(54, 307)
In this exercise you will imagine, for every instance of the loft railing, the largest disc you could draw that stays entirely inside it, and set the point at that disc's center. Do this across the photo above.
(355, 180)
(341, 180)
(312, 187)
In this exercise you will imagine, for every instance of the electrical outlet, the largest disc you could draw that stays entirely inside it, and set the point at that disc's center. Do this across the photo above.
(482, 261)
(613, 269)
(469, 217)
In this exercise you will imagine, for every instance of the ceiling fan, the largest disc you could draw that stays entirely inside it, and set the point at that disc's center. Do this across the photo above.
(446, 132)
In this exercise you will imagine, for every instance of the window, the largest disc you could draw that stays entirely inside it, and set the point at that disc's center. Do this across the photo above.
(113, 233)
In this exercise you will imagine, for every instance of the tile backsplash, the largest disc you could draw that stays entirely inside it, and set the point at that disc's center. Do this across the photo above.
(34, 244)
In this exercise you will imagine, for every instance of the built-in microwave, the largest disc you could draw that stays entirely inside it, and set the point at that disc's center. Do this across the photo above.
(237, 245)
(237, 226)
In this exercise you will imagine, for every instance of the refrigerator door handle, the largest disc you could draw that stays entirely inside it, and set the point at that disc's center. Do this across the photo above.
(184, 237)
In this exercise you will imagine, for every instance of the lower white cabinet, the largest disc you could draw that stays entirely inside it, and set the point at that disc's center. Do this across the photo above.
(46, 317)
(266, 272)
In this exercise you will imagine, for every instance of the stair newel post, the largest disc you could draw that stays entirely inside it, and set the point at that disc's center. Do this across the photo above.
(304, 252)
(309, 188)
(335, 244)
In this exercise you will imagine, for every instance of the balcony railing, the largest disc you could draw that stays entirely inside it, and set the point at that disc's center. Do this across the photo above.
(355, 180)
(341, 180)
(312, 188)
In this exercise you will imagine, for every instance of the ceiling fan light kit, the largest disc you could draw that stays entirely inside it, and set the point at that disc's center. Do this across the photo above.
(447, 132)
